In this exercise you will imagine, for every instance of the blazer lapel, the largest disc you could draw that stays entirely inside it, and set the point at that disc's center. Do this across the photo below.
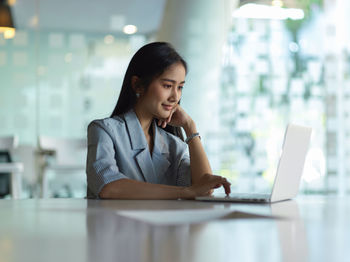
(160, 154)
(143, 159)
(138, 143)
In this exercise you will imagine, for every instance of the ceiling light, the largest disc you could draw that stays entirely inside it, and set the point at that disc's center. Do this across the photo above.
(9, 33)
(6, 22)
(130, 29)
(268, 12)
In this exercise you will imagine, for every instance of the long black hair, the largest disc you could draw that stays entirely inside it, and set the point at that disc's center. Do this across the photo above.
(148, 62)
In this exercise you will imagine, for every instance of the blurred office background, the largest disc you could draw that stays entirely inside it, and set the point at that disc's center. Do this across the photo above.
(254, 66)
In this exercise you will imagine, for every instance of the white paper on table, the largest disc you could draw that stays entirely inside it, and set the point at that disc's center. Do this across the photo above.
(188, 216)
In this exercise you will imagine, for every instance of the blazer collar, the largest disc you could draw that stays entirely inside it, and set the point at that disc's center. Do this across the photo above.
(137, 137)
(152, 168)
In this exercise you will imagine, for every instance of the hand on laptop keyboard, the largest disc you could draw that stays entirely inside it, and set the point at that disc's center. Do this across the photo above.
(206, 184)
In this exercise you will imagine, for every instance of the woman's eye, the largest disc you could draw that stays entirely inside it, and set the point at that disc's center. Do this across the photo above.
(167, 86)
(180, 87)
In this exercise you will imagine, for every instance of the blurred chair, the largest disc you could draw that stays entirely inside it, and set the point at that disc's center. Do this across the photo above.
(27, 154)
(15, 169)
(60, 155)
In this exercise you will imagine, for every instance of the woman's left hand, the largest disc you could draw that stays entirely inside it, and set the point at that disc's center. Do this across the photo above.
(178, 118)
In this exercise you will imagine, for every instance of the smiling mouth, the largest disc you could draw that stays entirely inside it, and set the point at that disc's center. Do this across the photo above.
(167, 107)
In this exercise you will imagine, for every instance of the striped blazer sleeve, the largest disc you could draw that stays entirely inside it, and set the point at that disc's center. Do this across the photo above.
(101, 167)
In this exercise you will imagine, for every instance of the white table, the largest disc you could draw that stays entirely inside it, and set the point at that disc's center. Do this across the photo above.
(307, 229)
(16, 170)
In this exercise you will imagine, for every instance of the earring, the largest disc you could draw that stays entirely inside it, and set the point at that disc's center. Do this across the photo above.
(137, 95)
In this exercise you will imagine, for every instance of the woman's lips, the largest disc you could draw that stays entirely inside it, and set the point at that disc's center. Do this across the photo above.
(167, 107)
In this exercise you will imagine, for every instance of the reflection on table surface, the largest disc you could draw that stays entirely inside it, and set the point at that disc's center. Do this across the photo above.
(306, 229)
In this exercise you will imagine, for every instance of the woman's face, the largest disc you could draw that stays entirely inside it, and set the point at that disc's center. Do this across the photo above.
(164, 92)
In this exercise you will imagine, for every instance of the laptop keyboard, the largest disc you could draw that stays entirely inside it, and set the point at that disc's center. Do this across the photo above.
(251, 197)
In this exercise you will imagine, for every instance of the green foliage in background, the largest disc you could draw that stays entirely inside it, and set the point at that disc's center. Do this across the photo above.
(294, 26)
(307, 6)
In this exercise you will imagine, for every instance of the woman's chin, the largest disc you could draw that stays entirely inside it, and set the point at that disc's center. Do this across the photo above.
(163, 114)
(160, 116)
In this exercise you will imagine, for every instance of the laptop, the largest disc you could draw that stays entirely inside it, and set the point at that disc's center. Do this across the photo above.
(289, 170)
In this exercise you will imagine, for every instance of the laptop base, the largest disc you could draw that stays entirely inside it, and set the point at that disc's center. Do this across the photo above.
(246, 198)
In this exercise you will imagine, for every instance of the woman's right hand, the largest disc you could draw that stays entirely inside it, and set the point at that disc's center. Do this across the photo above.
(206, 185)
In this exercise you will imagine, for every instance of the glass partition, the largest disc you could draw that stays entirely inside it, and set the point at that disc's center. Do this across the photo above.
(65, 67)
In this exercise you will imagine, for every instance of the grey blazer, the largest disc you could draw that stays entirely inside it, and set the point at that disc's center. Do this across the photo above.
(117, 148)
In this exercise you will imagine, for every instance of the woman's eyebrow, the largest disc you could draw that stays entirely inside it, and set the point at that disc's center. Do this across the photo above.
(170, 80)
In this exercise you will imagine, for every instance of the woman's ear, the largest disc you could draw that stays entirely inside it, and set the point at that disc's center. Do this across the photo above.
(135, 84)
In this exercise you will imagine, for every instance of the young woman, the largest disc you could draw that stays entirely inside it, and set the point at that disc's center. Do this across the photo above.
(139, 152)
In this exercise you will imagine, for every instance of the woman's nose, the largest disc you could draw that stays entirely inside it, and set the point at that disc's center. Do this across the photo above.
(175, 94)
